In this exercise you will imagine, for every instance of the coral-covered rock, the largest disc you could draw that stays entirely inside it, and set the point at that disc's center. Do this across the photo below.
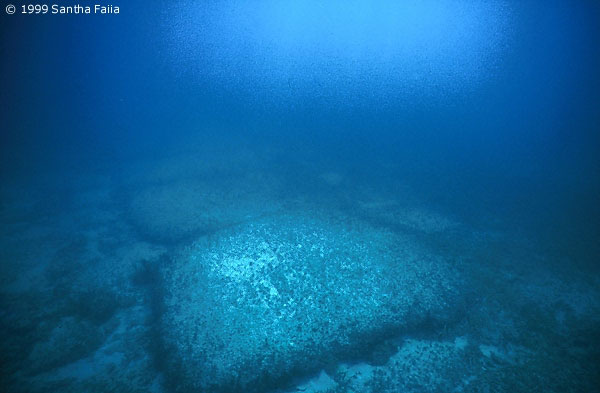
(254, 305)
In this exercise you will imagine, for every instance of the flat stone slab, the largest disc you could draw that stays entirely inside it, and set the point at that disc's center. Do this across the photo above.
(251, 307)
(183, 210)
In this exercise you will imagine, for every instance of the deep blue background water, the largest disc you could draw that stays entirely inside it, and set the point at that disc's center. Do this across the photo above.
(489, 110)
(472, 102)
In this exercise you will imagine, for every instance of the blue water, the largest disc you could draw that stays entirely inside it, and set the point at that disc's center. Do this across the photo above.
(341, 196)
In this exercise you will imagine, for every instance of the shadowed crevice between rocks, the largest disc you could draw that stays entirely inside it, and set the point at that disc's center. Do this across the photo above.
(148, 278)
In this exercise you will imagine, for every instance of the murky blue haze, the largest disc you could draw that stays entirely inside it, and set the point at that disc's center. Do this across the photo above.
(317, 196)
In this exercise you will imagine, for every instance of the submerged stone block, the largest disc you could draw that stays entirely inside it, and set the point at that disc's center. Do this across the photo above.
(182, 210)
(255, 305)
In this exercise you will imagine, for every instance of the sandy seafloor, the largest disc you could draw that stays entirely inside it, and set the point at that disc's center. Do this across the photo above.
(80, 314)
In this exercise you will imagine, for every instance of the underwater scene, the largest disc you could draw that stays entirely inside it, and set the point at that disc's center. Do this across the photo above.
(318, 196)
